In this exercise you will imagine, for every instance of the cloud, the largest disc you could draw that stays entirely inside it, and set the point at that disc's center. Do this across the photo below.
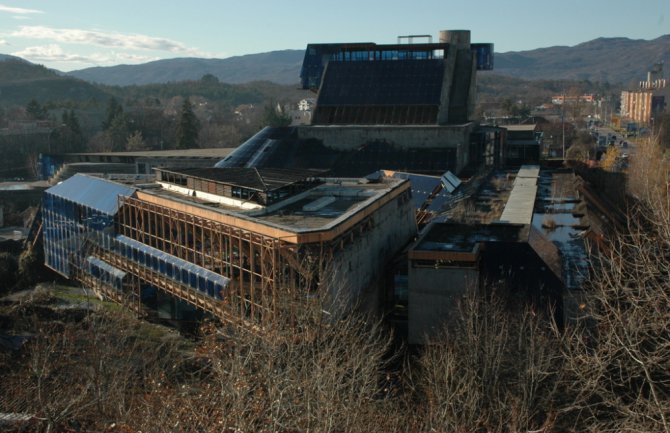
(19, 11)
(105, 39)
(54, 53)
(3, 43)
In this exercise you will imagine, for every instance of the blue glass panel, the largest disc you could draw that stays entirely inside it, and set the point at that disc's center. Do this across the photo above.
(95, 193)
(174, 267)
(382, 83)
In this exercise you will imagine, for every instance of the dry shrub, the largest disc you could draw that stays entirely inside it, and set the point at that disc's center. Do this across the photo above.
(319, 374)
(621, 360)
(493, 371)
(609, 159)
(89, 373)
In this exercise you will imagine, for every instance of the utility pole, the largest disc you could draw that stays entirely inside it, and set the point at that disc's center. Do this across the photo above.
(563, 124)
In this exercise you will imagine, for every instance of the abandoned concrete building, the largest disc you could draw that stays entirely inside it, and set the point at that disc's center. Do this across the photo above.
(331, 207)
(232, 242)
(524, 231)
(405, 107)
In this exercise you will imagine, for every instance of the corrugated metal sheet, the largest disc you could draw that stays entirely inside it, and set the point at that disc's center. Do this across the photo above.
(245, 151)
(95, 193)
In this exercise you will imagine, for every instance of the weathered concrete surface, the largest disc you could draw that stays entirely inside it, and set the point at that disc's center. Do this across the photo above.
(434, 294)
(357, 271)
(348, 138)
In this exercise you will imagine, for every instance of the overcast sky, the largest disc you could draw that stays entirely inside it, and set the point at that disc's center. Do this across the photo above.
(76, 34)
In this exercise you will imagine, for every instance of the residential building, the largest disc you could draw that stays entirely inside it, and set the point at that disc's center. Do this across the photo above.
(643, 104)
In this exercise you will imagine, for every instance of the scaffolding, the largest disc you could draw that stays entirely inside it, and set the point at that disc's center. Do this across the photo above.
(264, 271)
(246, 269)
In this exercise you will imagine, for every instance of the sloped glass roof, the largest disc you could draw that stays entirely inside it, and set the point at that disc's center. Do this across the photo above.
(422, 186)
(95, 193)
(391, 82)
(293, 153)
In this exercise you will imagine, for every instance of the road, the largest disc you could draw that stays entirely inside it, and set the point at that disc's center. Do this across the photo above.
(631, 146)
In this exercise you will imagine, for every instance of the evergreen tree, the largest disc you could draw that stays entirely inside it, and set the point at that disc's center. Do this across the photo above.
(118, 132)
(188, 127)
(69, 137)
(35, 110)
(114, 109)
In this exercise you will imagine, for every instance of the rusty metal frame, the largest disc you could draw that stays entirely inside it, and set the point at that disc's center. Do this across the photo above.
(265, 271)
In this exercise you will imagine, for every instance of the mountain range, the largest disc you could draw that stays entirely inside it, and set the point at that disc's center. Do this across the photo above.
(613, 60)
(21, 81)
(281, 67)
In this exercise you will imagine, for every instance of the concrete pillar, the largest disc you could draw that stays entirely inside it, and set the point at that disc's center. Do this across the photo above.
(458, 81)
(457, 38)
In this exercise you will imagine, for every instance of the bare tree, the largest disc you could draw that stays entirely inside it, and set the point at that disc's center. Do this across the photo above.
(620, 358)
(492, 370)
(86, 373)
(313, 373)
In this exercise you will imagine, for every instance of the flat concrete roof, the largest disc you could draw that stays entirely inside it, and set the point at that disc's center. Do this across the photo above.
(520, 127)
(530, 171)
(519, 207)
(461, 242)
(352, 200)
(346, 200)
(464, 237)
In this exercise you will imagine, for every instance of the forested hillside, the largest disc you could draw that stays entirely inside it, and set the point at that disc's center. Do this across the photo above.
(612, 60)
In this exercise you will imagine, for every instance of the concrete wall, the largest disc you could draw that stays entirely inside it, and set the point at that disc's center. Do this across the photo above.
(434, 294)
(349, 138)
(21, 199)
(145, 165)
(357, 271)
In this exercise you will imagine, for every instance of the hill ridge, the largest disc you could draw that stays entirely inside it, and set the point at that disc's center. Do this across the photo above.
(605, 59)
